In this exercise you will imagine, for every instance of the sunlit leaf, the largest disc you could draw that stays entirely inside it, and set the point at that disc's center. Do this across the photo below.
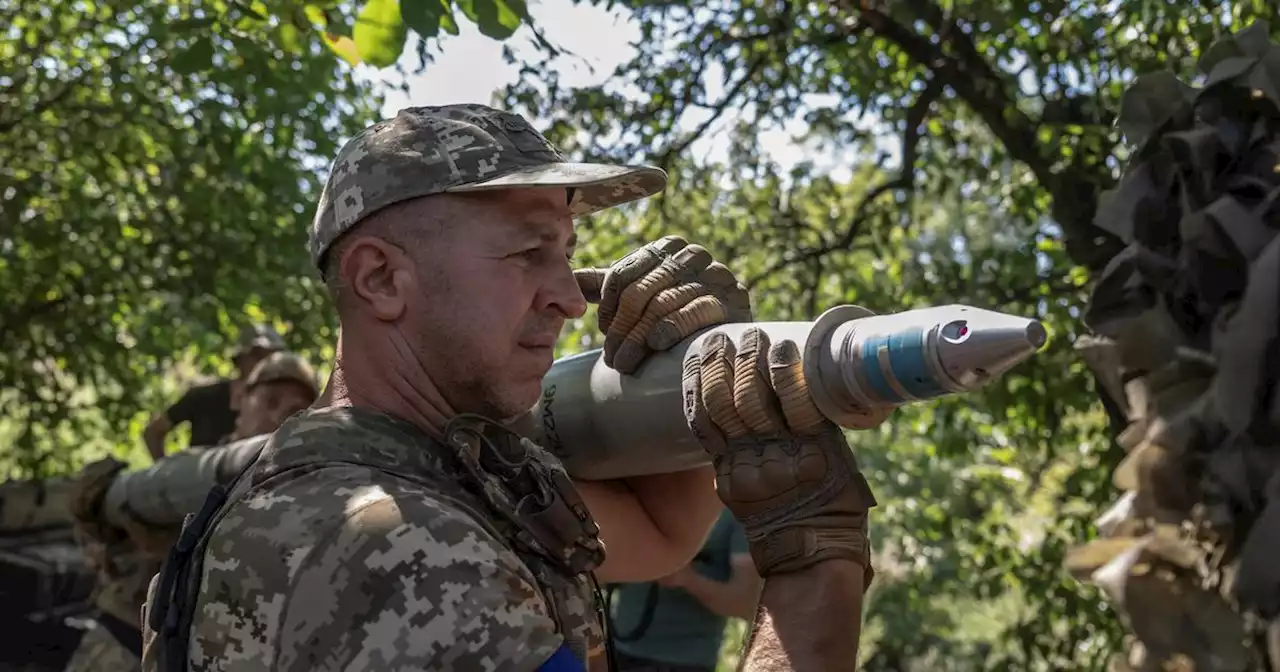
(380, 32)
(344, 47)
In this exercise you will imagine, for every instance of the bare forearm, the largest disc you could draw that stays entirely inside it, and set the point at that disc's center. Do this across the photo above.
(808, 620)
(155, 443)
(651, 525)
(736, 598)
(682, 505)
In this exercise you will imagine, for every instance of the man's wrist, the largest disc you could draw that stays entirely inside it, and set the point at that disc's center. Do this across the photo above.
(793, 548)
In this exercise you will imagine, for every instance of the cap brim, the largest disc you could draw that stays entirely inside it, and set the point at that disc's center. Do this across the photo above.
(598, 186)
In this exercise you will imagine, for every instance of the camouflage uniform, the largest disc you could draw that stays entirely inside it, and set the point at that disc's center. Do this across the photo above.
(122, 570)
(358, 542)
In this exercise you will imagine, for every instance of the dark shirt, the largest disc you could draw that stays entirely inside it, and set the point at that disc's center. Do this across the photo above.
(208, 409)
(683, 631)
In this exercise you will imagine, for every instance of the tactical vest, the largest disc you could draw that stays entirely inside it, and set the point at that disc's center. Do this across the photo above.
(515, 490)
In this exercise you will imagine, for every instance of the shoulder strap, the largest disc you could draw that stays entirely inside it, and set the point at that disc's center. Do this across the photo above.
(173, 608)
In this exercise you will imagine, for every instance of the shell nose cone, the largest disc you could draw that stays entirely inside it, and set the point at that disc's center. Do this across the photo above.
(1036, 335)
(990, 345)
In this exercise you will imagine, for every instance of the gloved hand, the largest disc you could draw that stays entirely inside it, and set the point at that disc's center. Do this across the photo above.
(87, 493)
(659, 295)
(783, 470)
(95, 534)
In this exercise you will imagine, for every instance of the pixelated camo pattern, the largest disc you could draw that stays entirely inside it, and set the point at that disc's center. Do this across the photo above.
(351, 546)
(98, 651)
(431, 150)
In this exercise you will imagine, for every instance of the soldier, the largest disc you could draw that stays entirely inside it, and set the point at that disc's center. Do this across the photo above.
(211, 409)
(125, 560)
(281, 385)
(398, 524)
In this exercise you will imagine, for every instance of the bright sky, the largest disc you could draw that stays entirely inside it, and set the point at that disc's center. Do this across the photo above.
(470, 68)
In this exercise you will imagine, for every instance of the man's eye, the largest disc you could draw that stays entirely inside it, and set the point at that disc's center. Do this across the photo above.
(530, 254)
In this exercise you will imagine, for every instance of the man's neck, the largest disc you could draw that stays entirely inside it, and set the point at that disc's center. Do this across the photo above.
(385, 379)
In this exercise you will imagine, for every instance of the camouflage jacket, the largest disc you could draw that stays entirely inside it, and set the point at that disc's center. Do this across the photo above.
(358, 542)
(123, 573)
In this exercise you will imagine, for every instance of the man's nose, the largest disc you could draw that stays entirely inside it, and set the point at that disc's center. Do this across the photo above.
(564, 295)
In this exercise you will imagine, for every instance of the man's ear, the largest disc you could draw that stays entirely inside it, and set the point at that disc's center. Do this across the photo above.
(376, 274)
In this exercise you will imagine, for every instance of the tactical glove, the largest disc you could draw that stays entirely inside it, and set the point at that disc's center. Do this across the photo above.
(660, 295)
(87, 493)
(783, 469)
(93, 534)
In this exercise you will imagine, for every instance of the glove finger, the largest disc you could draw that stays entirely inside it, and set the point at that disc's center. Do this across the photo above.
(629, 269)
(695, 411)
(753, 395)
(591, 282)
(717, 276)
(635, 347)
(717, 385)
(677, 269)
(700, 313)
(786, 372)
(725, 285)
(91, 485)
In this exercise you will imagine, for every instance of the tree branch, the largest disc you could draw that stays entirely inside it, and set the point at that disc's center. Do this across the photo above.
(905, 181)
(987, 93)
(717, 111)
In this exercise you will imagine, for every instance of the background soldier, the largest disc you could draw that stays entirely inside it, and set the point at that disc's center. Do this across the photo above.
(211, 409)
(677, 623)
(281, 385)
(125, 560)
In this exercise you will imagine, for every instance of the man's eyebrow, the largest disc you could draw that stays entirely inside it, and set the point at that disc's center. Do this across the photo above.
(550, 236)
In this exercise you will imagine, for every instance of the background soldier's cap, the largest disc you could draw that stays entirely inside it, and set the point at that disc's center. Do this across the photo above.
(283, 366)
(424, 151)
(258, 336)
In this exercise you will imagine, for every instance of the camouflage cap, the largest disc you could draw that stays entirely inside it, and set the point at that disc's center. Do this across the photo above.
(456, 149)
(283, 366)
(259, 336)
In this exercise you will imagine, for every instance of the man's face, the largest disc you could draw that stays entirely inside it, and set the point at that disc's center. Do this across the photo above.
(267, 405)
(489, 295)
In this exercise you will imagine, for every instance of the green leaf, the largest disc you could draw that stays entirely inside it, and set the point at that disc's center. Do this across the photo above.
(315, 14)
(449, 24)
(498, 19)
(290, 38)
(424, 16)
(198, 57)
(380, 33)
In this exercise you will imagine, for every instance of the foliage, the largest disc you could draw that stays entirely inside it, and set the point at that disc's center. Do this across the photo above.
(375, 32)
(1189, 312)
(964, 484)
(1007, 108)
(158, 166)
(157, 175)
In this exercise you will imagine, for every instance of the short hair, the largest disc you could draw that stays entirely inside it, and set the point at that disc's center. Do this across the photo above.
(390, 224)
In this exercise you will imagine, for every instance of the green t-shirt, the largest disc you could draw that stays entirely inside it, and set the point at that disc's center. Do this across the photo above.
(683, 631)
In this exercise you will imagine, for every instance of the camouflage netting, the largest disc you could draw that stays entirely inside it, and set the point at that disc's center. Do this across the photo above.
(1186, 320)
